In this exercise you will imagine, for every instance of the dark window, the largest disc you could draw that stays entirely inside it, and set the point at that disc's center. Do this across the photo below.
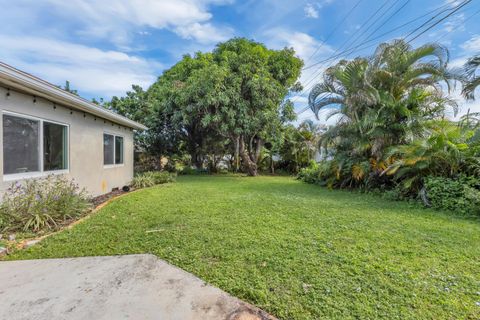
(20, 145)
(54, 147)
(118, 150)
(108, 149)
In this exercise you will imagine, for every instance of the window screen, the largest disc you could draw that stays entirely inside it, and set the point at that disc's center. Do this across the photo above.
(108, 149)
(20, 145)
(54, 147)
(118, 150)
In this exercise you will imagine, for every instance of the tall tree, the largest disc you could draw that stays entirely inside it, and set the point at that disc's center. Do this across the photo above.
(256, 82)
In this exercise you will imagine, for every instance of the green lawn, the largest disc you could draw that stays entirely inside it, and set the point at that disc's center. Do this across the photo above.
(298, 251)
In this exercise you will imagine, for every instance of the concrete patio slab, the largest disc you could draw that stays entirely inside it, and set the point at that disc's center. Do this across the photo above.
(119, 287)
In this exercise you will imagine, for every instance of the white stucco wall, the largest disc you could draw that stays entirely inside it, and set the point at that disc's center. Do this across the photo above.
(85, 142)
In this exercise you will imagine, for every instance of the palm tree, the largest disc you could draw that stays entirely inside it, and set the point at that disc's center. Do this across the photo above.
(310, 133)
(472, 80)
(447, 150)
(382, 101)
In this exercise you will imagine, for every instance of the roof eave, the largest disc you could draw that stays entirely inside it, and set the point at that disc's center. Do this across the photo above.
(16, 79)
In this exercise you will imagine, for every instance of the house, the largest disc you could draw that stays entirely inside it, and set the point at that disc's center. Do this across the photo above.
(46, 130)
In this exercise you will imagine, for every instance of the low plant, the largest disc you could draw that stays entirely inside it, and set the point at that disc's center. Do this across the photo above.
(193, 171)
(460, 195)
(151, 178)
(143, 180)
(39, 204)
(310, 174)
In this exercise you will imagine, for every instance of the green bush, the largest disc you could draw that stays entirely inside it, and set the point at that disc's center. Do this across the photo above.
(39, 204)
(193, 171)
(310, 174)
(460, 195)
(160, 177)
(143, 180)
(151, 178)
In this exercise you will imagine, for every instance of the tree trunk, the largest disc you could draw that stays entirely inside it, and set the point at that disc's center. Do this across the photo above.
(272, 165)
(250, 165)
(237, 152)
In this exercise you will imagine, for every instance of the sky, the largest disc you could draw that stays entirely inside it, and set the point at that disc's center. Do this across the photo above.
(103, 47)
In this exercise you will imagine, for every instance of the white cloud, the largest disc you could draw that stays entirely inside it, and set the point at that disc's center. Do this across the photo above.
(455, 23)
(311, 51)
(307, 48)
(311, 11)
(204, 33)
(100, 72)
(114, 20)
(472, 45)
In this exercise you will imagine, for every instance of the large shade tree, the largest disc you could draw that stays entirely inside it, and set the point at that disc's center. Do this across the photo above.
(253, 106)
(227, 102)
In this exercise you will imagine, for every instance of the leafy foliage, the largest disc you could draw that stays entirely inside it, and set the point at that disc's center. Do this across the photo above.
(151, 178)
(39, 204)
(210, 105)
(391, 126)
(461, 194)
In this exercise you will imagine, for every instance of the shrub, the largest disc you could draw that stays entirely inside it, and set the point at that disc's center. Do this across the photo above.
(39, 204)
(193, 171)
(151, 178)
(459, 195)
(310, 174)
(160, 177)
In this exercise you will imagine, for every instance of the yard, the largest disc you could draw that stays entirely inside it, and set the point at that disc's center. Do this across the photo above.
(298, 251)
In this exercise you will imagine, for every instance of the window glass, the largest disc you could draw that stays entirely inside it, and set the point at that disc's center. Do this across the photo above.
(118, 150)
(54, 147)
(20, 145)
(108, 147)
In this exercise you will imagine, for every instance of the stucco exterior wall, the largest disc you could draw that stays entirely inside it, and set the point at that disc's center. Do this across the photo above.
(85, 147)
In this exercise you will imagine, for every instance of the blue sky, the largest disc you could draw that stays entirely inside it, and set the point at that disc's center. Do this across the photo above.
(103, 47)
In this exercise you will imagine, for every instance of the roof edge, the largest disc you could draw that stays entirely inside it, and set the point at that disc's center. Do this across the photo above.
(22, 80)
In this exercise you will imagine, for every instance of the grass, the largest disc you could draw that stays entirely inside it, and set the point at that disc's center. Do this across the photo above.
(296, 250)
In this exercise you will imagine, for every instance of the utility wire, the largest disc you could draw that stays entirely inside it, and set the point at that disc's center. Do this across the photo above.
(318, 71)
(444, 18)
(333, 31)
(430, 27)
(366, 23)
(363, 45)
(454, 10)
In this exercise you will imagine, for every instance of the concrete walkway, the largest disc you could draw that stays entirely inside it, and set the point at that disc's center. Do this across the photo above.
(121, 287)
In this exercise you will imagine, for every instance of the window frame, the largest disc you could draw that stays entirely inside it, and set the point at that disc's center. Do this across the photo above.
(41, 172)
(114, 135)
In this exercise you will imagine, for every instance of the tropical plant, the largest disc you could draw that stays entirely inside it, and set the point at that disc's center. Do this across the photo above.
(472, 79)
(380, 102)
(151, 178)
(446, 150)
(39, 204)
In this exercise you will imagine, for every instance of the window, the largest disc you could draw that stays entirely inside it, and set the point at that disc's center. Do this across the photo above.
(20, 145)
(118, 150)
(54, 146)
(33, 145)
(112, 149)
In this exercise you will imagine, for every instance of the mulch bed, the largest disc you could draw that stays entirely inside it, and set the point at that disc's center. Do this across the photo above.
(105, 197)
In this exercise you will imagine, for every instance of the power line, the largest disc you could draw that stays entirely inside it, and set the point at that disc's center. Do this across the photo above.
(349, 51)
(334, 29)
(444, 18)
(363, 45)
(454, 10)
(367, 22)
(316, 73)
